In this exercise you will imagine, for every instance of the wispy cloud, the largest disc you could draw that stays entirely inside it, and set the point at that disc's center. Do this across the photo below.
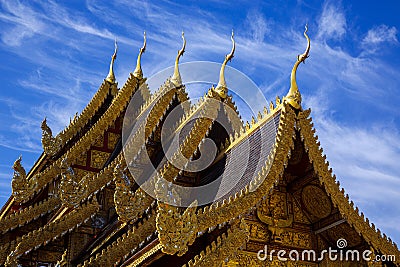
(258, 25)
(332, 22)
(377, 36)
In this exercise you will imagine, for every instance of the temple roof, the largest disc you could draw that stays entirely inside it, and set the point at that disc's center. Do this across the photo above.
(252, 159)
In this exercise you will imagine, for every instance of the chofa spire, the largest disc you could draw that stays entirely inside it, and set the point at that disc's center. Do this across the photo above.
(222, 89)
(176, 78)
(294, 96)
(111, 77)
(138, 73)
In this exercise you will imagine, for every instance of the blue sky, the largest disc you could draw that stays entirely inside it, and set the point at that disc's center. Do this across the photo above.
(56, 54)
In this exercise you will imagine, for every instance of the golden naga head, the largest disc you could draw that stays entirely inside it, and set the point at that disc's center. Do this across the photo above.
(138, 73)
(294, 96)
(111, 77)
(17, 164)
(44, 125)
(222, 89)
(176, 78)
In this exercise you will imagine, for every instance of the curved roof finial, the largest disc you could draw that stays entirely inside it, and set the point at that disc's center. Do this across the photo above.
(138, 73)
(176, 78)
(294, 96)
(222, 89)
(111, 77)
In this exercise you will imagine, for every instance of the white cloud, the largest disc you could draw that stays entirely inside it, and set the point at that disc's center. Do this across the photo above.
(380, 34)
(258, 25)
(332, 22)
(25, 20)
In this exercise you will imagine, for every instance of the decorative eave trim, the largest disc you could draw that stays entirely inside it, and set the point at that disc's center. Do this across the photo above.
(346, 207)
(223, 248)
(37, 238)
(146, 255)
(28, 214)
(37, 182)
(122, 247)
(77, 123)
(91, 184)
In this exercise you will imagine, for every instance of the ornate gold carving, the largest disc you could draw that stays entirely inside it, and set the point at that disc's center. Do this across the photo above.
(99, 141)
(82, 159)
(123, 245)
(52, 230)
(98, 158)
(176, 78)
(316, 201)
(83, 145)
(145, 256)
(70, 190)
(222, 89)
(176, 231)
(258, 231)
(111, 77)
(294, 96)
(129, 205)
(332, 187)
(21, 185)
(113, 139)
(273, 211)
(28, 214)
(6, 249)
(294, 239)
(299, 215)
(224, 248)
(51, 145)
(138, 73)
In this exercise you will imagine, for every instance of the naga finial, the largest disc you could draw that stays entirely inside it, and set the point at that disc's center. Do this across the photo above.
(138, 73)
(111, 77)
(222, 89)
(176, 78)
(294, 96)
